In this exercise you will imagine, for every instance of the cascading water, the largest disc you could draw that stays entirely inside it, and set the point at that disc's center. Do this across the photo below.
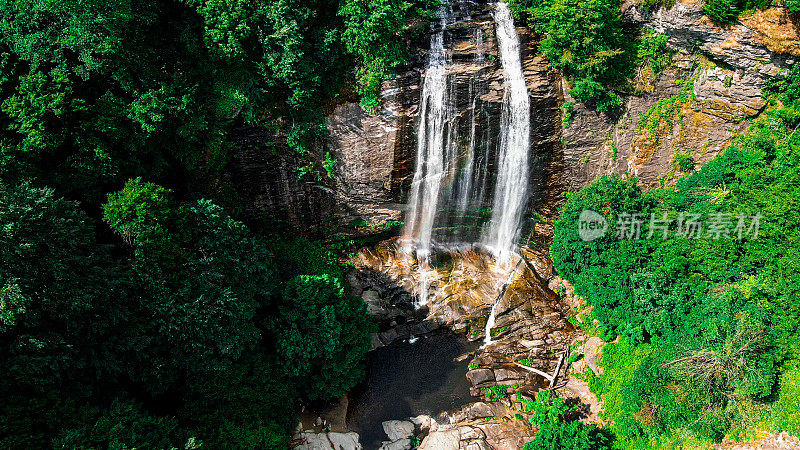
(435, 116)
(490, 321)
(511, 190)
(451, 184)
(450, 177)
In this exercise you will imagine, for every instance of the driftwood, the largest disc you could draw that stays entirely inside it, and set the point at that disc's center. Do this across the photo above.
(551, 378)
(558, 367)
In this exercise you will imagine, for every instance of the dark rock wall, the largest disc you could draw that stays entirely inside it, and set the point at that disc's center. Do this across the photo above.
(269, 189)
(376, 152)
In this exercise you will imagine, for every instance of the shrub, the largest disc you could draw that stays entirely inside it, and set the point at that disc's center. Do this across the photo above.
(569, 114)
(722, 11)
(727, 11)
(786, 410)
(705, 324)
(684, 161)
(653, 4)
(587, 42)
(558, 431)
(652, 50)
(499, 391)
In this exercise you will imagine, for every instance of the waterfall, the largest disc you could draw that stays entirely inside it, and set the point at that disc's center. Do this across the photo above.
(435, 117)
(490, 324)
(451, 182)
(511, 190)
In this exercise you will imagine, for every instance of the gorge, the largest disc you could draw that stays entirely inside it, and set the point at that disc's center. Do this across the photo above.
(398, 225)
(494, 152)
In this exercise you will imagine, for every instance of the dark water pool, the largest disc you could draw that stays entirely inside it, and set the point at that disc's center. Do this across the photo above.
(405, 380)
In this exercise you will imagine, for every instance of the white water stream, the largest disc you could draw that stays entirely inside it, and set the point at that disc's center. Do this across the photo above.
(511, 190)
(450, 184)
(435, 116)
(492, 313)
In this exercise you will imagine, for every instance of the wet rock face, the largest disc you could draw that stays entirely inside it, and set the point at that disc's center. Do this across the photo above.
(268, 189)
(373, 151)
(477, 426)
(530, 330)
(725, 67)
(376, 153)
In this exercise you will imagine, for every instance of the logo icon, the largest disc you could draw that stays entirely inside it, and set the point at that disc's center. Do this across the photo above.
(591, 225)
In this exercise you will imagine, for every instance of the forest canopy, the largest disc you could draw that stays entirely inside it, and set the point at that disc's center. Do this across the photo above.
(136, 309)
(140, 309)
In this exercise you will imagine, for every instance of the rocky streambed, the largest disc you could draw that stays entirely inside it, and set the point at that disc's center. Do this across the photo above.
(430, 368)
(419, 376)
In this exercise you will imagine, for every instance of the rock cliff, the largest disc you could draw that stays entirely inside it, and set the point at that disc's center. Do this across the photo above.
(375, 153)
(704, 96)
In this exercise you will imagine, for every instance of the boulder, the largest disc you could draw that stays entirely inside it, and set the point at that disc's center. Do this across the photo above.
(425, 422)
(441, 440)
(470, 433)
(592, 351)
(480, 376)
(371, 297)
(479, 445)
(329, 441)
(398, 429)
(344, 441)
(473, 411)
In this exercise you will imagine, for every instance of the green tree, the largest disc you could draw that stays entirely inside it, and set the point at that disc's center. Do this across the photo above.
(601, 268)
(727, 11)
(587, 42)
(707, 325)
(374, 32)
(196, 268)
(61, 298)
(91, 92)
(126, 425)
(321, 335)
(787, 407)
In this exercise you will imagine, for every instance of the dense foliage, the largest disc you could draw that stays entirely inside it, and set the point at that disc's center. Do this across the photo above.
(93, 93)
(727, 11)
(585, 39)
(195, 319)
(594, 50)
(557, 430)
(135, 310)
(371, 33)
(707, 321)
